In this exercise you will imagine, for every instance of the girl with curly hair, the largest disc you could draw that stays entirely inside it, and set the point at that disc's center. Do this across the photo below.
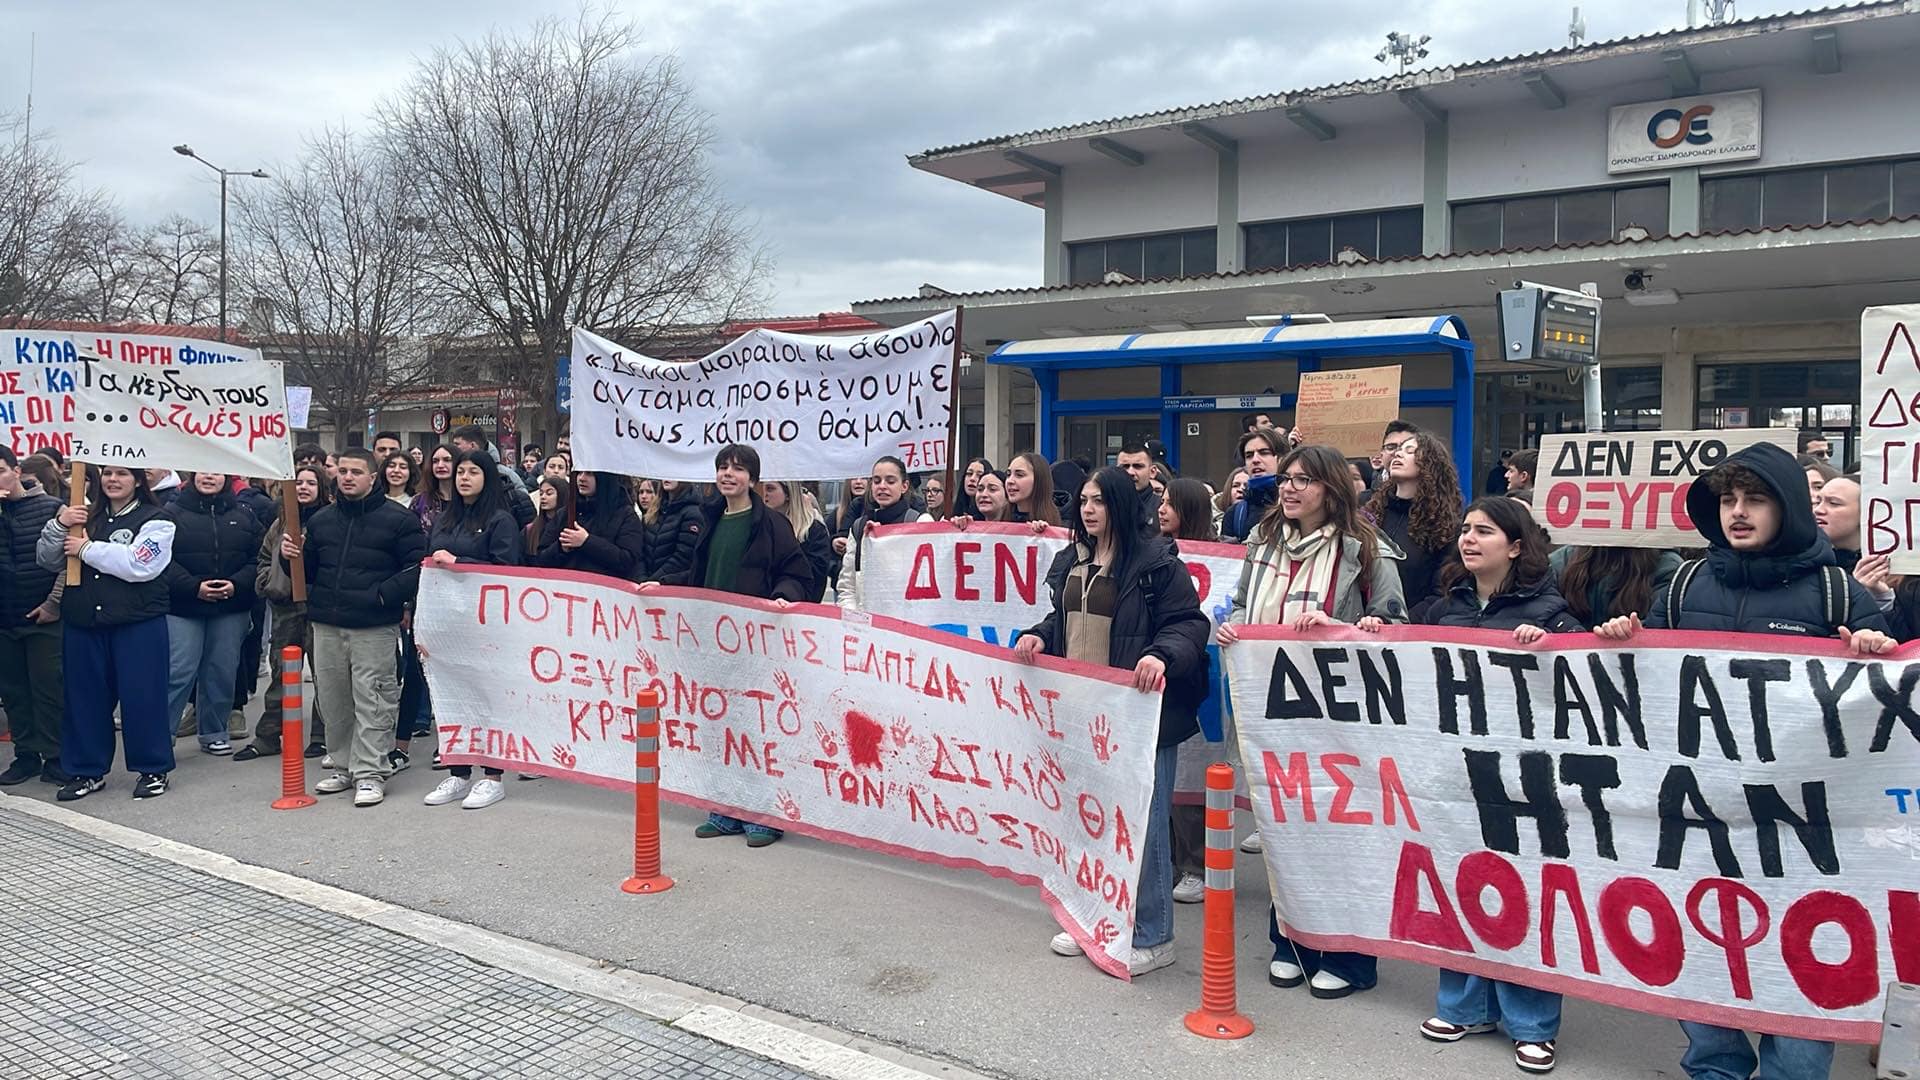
(1419, 510)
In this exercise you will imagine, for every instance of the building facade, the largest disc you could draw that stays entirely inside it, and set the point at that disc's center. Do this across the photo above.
(1737, 193)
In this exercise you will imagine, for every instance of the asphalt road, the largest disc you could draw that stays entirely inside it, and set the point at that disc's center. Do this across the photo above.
(944, 963)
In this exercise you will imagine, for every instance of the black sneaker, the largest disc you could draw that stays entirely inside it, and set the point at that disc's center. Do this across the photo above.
(150, 785)
(52, 773)
(397, 761)
(314, 750)
(24, 768)
(256, 749)
(437, 764)
(80, 787)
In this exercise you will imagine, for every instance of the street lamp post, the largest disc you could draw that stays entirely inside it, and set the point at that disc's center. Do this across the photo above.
(187, 151)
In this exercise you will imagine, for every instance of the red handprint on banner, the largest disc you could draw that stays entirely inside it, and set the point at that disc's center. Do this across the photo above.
(788, 806)
(647, 663)
(563, 756)
(1104, 933)
(828, 745)
(1103, 745)
(784, 683)
(902, 732)
(1052, 764)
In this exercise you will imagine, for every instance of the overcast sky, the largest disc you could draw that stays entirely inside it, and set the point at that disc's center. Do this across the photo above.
(815, 104)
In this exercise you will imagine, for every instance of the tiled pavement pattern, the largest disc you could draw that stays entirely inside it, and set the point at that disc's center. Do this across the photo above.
(115, 964)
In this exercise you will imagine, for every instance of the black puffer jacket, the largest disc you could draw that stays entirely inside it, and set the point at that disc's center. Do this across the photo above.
(1539, 604)
(616, 544)
(495, 541)
(214, 538)
(24, 585)
(771, 568)
(818, 548)
(1156, 613)
(363, 562)
(261, 504)
(1781, 589)
(674, 536)
(1419, 567)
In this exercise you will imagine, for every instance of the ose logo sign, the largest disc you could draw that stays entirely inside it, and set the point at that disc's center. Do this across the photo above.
(1689, 127)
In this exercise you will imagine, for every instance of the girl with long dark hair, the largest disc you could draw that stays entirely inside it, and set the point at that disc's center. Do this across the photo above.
(115, 646)
(290, 627)
(675, 537)
(1314, 559)
(604, 536)
(436, 487)
(789, 500)
(1186, 512)
(1122, 598)
(886, 505)
(211, 585)
(400, 479)
(1419, 510)
(989, 500)
(1499, 579)
(477, 527)
(1602, 582)
(963, 500)
(1030, 490)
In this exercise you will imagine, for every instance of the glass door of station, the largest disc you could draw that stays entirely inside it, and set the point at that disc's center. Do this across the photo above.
(1099, 438)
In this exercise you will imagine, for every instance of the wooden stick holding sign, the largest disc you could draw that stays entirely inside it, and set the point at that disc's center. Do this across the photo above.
(76, 496)
(290, 524)
(953, 409)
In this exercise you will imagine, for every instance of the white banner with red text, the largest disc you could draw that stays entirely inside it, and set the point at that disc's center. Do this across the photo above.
(989, 582)
(816, 408)
(862, 731)
(1718, 827)
(227, 416)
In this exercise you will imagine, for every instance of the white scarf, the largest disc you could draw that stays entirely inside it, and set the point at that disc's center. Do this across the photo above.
(1281, 593)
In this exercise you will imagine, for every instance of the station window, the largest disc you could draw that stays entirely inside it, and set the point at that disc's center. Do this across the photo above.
(1376, 234)
(1572, 217)
(1162, 255)
(1820, 396)
(1838, 194)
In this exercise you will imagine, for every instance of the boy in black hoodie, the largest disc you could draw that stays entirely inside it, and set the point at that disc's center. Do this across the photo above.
(1769, 571)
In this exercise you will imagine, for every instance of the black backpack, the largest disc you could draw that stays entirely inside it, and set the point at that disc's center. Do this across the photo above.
(1836, 597)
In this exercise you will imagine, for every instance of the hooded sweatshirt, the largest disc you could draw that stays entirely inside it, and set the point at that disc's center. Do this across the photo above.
(1779, 589)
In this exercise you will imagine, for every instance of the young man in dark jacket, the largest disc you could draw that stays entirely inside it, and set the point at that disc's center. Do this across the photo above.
(1769, 571)
(211, 586)
(363, 567)
(30, 678)
(744, 549)
(1260, 452)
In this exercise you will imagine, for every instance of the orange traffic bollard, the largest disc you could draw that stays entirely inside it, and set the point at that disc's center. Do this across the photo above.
(293, 763)
(1218, 1016)
(647, 877)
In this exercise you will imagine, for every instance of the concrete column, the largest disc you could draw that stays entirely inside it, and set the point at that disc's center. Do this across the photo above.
(1053, 262)
(1677, 376)
(1230, 249)
(997, 397)
(1436, 218)
(1683, 203)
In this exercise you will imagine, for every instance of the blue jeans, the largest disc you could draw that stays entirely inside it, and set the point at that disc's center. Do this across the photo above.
(1361, 970)
(1721, 1053)
(733, 826)
(1529, 1015)
(1153, 900)
(205, 654)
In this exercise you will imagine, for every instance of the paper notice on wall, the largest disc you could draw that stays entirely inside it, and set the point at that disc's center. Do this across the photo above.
(1348, 410)
(1629, 488)
(1890, 435)
(299, 405)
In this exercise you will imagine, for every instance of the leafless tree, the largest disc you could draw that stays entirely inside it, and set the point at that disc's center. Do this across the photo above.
(166, 273)
(333, 251)
(564, 179)
(48, 224)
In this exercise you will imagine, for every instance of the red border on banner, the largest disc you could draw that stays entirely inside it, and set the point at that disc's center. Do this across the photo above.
(1099, 672)
(1593, 989)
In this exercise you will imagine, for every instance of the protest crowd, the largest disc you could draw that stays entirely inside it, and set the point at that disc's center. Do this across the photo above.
(186, 584)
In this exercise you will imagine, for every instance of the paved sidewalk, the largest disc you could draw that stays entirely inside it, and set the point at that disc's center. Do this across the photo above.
(119, 964)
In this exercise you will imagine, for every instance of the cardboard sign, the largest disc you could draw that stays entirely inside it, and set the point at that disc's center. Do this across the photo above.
(228, 417)
(868, 732)
(1348, 410)
(1712, 827)
(1890, 435)
(1629, 489)
(815, 408)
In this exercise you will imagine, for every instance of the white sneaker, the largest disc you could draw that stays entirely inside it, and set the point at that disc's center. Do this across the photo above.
(333, 785)
(1253, 845)
(1141, 961)
(1191, 889)
(1325, 985)
(452, 789)
(1285, 975)
(486, 791)
(327, 762)
(1064, 945)
(369, 792)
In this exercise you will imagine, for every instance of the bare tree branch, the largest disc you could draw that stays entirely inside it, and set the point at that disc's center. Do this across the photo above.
(48, 225)
(566, 181)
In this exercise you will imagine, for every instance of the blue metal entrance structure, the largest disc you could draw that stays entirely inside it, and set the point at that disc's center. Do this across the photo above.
(1308, 344)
